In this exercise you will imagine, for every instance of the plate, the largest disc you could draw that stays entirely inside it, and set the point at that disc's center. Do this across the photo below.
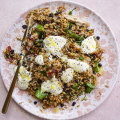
(105, 82)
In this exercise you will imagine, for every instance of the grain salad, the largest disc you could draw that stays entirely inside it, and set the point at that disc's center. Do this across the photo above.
(62, 57)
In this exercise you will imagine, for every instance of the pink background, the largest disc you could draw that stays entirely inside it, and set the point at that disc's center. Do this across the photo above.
(109, 10)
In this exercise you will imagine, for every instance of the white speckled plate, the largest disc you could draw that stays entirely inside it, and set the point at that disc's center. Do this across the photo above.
(94, 99)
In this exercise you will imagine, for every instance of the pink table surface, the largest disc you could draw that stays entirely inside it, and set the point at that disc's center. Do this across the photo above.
(109, 10)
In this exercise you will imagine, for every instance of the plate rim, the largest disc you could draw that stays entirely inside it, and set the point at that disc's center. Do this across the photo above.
(107, 25)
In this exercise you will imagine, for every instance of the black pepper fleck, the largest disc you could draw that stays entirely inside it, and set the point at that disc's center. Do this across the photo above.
(28, 60)
(58, 17)
(36, 89)
(28, 69)
(99, 64)
(94, 72)
(51, 15)
(44, 22)
(63, 67)
(39, 81)
(98, 38)
(69, 50)
(35, 102)
(24, 26)
(62, 105)
(73, 104)
(52, 65)
(29, 35)
(17, 62)
(20, 54)
(57, 13)
(24, 62)
(7, 55)
(12, 51)
(52, 20)
(42, 45)
(93, 57)
(87, 30)
(76, 81)
(77, 52)
(70, 27)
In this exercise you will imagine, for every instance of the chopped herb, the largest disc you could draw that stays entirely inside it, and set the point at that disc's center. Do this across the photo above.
(88, 90)
(35, 12)
(38, 41)
(70, 11)
(73, 35)
(84, 98)
(92, 77)
(45, 66)
(40, 27)
(81, 58)
(90, 85)
(76, 86)
(53, 33)
(56, 13)
(70, 25)
(39, 94)
(96, 68)
(31, 50)
(44, 73)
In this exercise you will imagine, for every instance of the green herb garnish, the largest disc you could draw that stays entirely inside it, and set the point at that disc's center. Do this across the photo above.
(70, 11)
(76, 86)
(44, 73)
(39, 94)
(45, 66)
(31, 50)
(40, 27)
(38, 40)
(79, 39)
(84, 98)
(53, 33)
(70, 25)
(96, 68)
(81, 58)
(89, 87)
(92, 77)
(88, 90)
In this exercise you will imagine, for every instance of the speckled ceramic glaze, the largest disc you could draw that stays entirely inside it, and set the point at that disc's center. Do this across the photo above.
(94, 99)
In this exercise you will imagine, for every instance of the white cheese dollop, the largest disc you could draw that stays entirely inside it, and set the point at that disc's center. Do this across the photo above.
(23, 78)
(39, 60)
(54, 44)
(78, 65)
(67, 75)
(53, 86)
(88, 45)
